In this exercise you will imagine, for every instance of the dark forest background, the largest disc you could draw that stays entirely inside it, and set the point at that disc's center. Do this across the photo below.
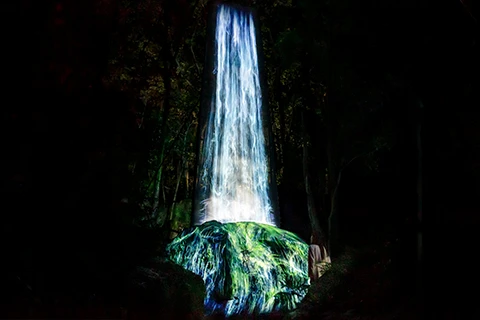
(368, 101)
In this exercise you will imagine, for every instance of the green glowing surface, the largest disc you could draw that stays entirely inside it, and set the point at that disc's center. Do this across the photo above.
(247, 267)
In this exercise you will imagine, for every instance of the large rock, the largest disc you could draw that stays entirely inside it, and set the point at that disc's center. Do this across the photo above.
(247, 267)
(167, 291)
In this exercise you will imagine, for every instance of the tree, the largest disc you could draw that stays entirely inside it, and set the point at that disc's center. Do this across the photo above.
(155, 62)
(343, 101)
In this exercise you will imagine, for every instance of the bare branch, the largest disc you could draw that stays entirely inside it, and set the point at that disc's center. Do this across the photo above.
(361, 155)
(196, 63)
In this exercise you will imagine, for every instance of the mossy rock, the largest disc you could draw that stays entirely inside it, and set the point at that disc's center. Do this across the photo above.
(247, 267)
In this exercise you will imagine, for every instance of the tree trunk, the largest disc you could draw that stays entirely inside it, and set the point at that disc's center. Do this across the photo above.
(180, 170)
(281, 141)
(187, 180)
(158, 187)
(333, 245)
(334, 178)
(312, 212)
(164, 134)
(208, 85)
(177, 185)
(419, 204)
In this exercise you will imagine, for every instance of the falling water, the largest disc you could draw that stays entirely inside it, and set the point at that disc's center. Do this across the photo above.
(248, 266)
(233, 177)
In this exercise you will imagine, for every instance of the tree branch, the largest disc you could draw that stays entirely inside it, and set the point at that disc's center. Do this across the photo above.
(467, 10)
(361, 155)
(169, 148)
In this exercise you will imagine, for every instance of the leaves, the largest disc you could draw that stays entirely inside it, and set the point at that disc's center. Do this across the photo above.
(148, 53)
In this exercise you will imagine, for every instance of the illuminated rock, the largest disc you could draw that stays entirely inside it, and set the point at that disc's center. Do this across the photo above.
(247, 267)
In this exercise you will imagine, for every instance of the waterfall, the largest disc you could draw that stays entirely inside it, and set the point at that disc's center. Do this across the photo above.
(248, 264)
(233, 171)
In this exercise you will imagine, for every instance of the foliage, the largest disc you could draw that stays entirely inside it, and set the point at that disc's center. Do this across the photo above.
(181, 215)
(309, 64)
(325, 58)
(247, 267)
(147, 54)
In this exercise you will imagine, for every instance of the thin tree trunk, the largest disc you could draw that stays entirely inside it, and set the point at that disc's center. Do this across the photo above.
(420, 206)
(170, 232)
(333, 216)
(156, 194)
(208, 85)
(334, 180)
(180, 170)
(164, 134)
(166, 74)
(163, 192)
(177, 185)
(312, 212)
(187, 180)
(281, 119)
(334, 175)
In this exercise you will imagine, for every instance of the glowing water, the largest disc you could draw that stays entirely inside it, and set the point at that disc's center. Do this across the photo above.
(234, 176)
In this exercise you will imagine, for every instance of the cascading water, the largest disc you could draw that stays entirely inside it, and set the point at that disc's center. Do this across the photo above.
(247, 263)
(233, 177)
